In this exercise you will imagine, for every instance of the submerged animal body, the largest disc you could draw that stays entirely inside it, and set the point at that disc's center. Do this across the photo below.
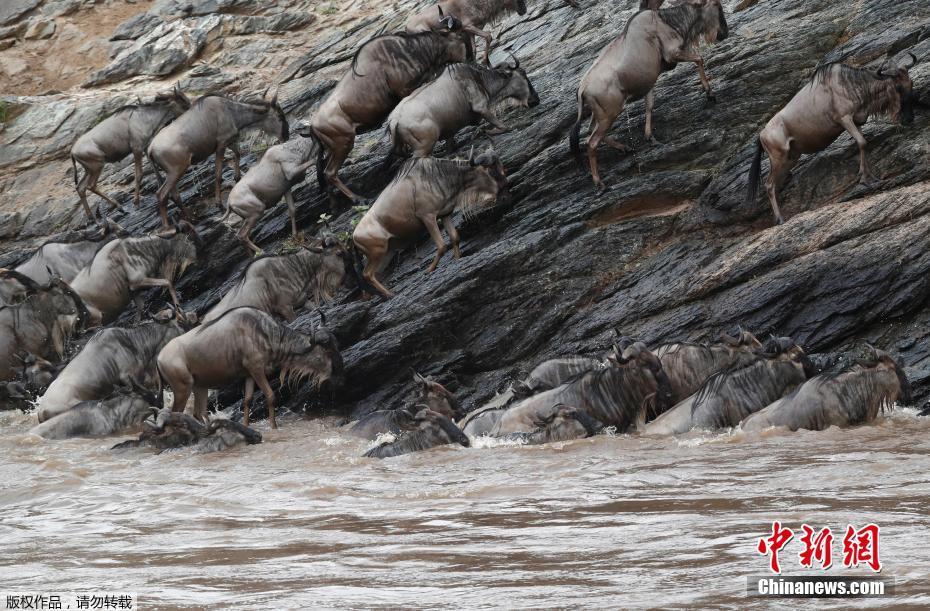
(173, 430)
(549, 424)
(118, 413)
(689, 365)
(844, 398)
(428, 430)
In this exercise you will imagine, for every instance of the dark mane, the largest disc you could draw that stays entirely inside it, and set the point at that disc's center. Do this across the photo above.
(23, 279)
(485, 78)
(683, 19)
(421, 46)
(864, 85)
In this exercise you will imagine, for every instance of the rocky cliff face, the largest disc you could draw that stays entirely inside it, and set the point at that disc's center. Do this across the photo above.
(670, 252)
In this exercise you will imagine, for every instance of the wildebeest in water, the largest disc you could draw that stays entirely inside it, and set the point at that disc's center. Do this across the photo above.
(124, 266)
(469, 16)
(128, 130)
(280, 168)
(385, 70)
(173, 430)
(548, 424)
(462, 95)
(279, 284)
(628, 67)
(66, 255)
(245, 343)
(429, 394)
(424, 192)
(838, 98)
(846, 397)
(123, 410)
(429, 429)
(730, 395)
(40, 325)
(111, 359)
(688, 365)
(212, 125)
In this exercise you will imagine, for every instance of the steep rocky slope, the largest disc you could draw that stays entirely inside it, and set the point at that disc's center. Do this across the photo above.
(670, 252)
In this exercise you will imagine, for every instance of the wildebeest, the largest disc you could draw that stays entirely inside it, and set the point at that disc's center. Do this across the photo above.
(463, 95)
(623, 395)
(210, 127)
(729, 396)
(470, 16)
(121, 411)
(385, 421)
(245, 343)
(436, 397)
(15, 287)
(39, 325)
(688, 365)
(66, 255)
(279, 284)
(429, 429)
(112, 358)
(385, 70)
(127, 265)
(554, 372)
(425, 191)
(550, 423)
(128, 130)
(845, 397)
(838, 98)
(38, 373)
(628, 67)
(265, 183)
(175, 430)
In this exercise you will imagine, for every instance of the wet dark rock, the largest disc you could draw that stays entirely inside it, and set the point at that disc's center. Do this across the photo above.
(672, 251)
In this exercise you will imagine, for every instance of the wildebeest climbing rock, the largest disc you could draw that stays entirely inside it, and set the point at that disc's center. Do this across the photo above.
(670, 252)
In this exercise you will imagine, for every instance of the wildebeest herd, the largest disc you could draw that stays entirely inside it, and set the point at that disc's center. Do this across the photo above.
(423, 84)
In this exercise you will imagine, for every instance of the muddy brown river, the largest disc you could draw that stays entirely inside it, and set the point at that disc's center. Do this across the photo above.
(302, 521)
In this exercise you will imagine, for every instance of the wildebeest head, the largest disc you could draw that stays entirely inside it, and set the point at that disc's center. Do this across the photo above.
(337, 268)
(489, 181)
(560, 422)
(518, 87)
(427, 418)
(880, 358)
(437, 397)
(638, 354)
(785, 346)
(317, 357)
(713, 20)
(902, 111)
(742, 338)
(449, 23)
(71, 310)
(275, 122)
(175, 100)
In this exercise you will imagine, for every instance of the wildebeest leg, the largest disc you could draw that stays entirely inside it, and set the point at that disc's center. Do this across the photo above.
(375, 250)
(200, 404)
(244, 234)
(781, 162)
(220, 153)
(82, 185)
(338, 154)
(169, 187)
(258, 374)
(157, 282)
(140, 306)
(487, 41)
(246, 399)
(603, 120)
(650, 103)
(289, 198)
(234, 147)
(433, 228)
(181, 389)
(137, 166)
(865, 172)
(453, 235)
(92, 187)
(698, 61)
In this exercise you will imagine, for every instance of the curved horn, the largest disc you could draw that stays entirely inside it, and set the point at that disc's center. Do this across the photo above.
(322, 319)
(441, 14)
(516, 62)
(913, 61)
(419, 378)
(471, 155)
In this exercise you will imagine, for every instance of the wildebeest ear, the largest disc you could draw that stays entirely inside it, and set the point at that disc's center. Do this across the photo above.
(419, 378)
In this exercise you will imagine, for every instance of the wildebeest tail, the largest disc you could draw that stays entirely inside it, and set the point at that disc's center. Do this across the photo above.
(74, 165)
(320, 174)
(363, 284)
(576, 132)
(396, 149)
(755, 170)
